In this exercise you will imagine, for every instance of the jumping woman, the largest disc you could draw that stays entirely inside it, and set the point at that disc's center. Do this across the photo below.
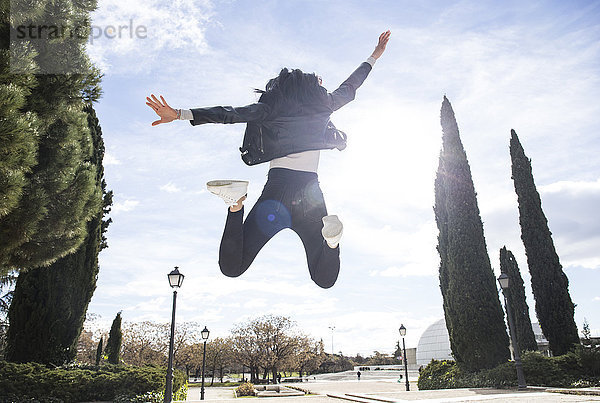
(287, 127)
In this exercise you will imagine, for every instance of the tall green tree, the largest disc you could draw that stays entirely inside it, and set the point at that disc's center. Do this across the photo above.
(474, 316)
(553, 306)
(47, 184)
(99, 352)
(49, 304)
(515, 296)
(115, 338)
(53, 232)
(19, 127)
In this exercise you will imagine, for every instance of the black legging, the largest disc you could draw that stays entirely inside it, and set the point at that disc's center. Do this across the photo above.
(290, 199)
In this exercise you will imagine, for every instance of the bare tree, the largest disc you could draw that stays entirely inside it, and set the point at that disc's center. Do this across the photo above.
(246, 348)
(87, 343)
(145, 343)
(187, 334)
(268, 342)
(310, 354)
(219, 355)
(189, 357)
(86, 348)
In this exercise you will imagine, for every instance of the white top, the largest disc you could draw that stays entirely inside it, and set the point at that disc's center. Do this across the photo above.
(307, 161)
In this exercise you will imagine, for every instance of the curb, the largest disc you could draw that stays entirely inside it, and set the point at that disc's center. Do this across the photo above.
(349, 398)
(360, 398)
(371, 398)
(581, 392)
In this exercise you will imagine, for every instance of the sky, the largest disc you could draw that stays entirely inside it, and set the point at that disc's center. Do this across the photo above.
(529, 66)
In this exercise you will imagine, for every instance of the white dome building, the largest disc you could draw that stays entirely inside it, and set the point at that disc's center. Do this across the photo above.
(434, 344)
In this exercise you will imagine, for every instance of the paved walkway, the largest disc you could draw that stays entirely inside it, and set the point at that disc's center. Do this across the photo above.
(213, 393)
(393, 392)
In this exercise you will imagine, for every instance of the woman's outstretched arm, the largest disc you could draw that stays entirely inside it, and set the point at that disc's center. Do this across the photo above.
(347, 90)
(213, 114)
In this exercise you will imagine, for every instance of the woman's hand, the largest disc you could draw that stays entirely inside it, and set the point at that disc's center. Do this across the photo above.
(166, 113)
(380, 48)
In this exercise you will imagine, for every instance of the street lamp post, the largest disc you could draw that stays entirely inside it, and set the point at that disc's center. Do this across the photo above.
(402, 331)
(205, 332)
(332, 350)
(175, 281)
(505, 284)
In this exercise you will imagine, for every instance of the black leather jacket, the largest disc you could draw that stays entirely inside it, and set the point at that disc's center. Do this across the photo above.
(268, 137)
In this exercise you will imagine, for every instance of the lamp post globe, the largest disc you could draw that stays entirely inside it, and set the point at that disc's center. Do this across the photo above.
(504, 281)
(175, 278)
(175, 281)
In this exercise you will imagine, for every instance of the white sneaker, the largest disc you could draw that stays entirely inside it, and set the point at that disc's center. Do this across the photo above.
(229, 190)
(332, 230)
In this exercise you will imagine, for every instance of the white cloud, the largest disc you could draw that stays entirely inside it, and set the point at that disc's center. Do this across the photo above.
(255, 303)
(571, 208)
(596, 298)
(124, 206)
(110, 159)
(170, 188)
(129, 36)
(413, 269)
(571, 187)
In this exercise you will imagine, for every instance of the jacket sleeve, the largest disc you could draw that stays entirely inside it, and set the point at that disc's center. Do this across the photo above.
(229, 114)
(347, 91)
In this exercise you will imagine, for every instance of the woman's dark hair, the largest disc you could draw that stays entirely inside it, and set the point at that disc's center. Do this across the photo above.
(293, 92)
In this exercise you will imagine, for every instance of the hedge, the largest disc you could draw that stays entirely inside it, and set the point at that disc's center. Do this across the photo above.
(580, 367)
(33, 382)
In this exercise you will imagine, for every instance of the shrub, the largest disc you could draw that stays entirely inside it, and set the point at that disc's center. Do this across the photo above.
(85, 383)
(245, 389)
(182, 391)
(576, 368)
(440, 375)
(148, 397)
(21, 399)
(588, 357)
(543, 371)
(502, 376)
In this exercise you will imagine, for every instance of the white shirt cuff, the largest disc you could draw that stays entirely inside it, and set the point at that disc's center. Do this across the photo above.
(186, 114)
(371, 60)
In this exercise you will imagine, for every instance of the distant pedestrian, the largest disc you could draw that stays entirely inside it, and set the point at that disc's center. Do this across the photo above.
(278, 378)
(358, 375)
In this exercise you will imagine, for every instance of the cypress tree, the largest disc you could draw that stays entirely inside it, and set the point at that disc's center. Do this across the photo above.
(474, 316)
(515, 296)
(553, 306)
(115, 337)
(48, 180)
(18, 128)
(49, 303)
(99, 352)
